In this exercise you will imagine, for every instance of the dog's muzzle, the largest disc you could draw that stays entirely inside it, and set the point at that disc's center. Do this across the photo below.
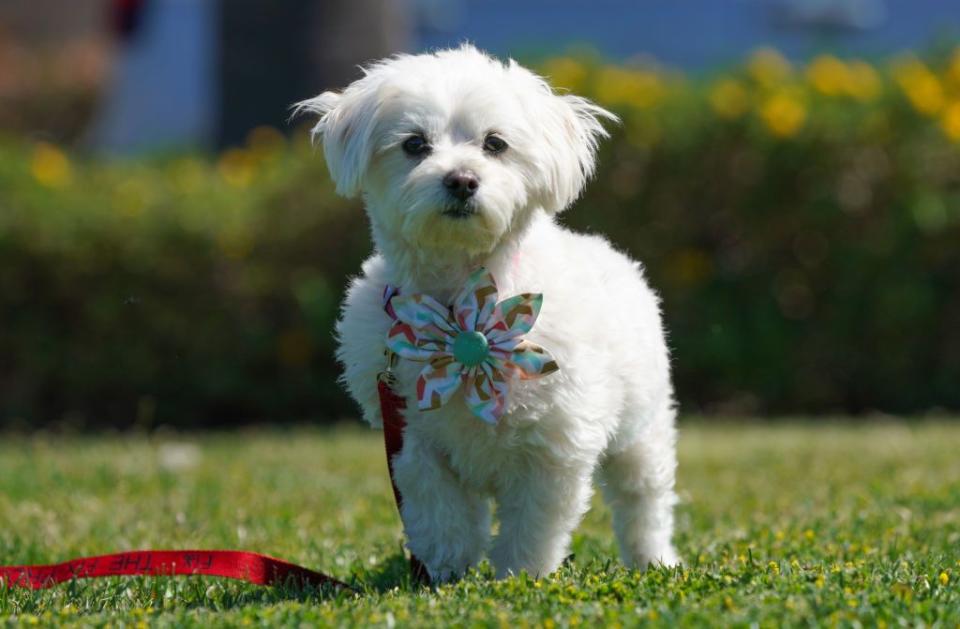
(465, 209)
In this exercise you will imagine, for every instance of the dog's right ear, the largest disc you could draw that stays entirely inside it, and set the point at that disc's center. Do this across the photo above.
(345, 129)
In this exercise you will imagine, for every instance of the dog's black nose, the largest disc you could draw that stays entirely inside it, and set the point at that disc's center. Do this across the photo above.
(462, 184)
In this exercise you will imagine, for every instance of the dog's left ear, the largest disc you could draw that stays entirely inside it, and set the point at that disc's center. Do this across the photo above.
(345, 129)
(572, 128)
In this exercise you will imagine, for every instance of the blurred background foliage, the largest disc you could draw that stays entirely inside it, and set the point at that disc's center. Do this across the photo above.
(802, 223)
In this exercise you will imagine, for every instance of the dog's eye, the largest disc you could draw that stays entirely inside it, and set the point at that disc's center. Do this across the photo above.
(494, 144)
(415, 145)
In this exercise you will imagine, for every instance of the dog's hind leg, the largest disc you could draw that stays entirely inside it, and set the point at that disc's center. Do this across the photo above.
(637, 480)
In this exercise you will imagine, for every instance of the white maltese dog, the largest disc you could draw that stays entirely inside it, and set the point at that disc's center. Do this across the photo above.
(464, 162)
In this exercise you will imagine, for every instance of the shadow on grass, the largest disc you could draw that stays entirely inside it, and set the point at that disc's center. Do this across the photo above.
(393, 573)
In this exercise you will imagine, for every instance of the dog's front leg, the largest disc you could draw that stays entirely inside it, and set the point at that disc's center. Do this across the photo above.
(538, 513)
(447, 525)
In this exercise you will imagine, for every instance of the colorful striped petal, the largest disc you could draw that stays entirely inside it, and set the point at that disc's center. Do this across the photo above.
(425, 314)
(475, 302)
(438, 382)
(486, 392)
(513, 317)
(406, 342)
(529, 360)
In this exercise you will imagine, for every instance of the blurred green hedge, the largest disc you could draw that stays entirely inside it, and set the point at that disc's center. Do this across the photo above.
(802, 225)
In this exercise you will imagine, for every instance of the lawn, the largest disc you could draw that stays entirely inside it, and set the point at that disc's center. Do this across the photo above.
(783, 524)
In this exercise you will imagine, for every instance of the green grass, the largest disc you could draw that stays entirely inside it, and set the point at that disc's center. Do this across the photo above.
(779, 525)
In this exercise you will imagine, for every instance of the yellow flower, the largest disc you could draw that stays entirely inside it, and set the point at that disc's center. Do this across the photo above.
(926, 94)
(944, 579)
(50, 166)
(833, 77)
(828, 75)
(565, 72)
(640, 88)
(953, 70)
(729, 99)
(774, 567)
(921, 86)
(950, 121)
(863, 81)
(783, 114)
(768, 67)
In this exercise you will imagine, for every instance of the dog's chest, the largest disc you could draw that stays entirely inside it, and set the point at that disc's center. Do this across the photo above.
(478, 454)
(476, 451)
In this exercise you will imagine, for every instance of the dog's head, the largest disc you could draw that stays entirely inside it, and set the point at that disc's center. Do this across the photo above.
(453, 150)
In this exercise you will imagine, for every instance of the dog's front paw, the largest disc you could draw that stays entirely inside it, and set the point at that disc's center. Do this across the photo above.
(445, 562)
(665, 556)
(447, 568)
(510, 560)
(440, 574)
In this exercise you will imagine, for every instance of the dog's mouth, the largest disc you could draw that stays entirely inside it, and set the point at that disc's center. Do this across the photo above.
(460, 210)
(455, 226)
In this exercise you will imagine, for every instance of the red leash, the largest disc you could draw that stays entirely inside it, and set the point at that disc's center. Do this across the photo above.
(393, 424)
(232, 564)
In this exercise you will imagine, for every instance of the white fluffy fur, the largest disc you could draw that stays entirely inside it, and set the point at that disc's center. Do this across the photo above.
(609, 411)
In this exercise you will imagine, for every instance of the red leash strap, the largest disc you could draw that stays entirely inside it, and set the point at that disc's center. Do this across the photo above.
(391, 406)
(244, 566)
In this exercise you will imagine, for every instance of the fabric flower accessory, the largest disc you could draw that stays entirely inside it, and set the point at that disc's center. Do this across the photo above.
(477, 342)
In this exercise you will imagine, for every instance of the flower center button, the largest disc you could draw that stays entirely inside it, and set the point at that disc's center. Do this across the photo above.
(470, 348)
